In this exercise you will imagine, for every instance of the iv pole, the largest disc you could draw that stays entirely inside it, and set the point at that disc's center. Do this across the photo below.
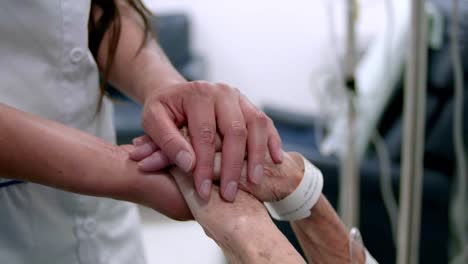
(349, 168)
(413, 139)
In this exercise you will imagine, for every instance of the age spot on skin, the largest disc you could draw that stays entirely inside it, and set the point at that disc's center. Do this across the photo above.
(265, 255)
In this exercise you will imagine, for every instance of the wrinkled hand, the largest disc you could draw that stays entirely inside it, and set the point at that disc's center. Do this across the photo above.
(280, 179)
(207, 109)
(222, 221)
(243, 229)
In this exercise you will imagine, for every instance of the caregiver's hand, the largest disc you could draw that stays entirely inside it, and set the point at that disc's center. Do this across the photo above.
(207, 109)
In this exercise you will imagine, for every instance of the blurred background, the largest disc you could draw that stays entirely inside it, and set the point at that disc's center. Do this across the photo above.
(287, 57)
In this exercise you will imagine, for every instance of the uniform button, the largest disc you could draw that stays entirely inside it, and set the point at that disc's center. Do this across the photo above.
(76, 55)
(90, 226)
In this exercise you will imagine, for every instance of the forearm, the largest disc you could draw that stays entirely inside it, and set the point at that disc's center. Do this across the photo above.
(137, 71)
(323, 236)
(48, 153)
(45, 152)
(263, 243)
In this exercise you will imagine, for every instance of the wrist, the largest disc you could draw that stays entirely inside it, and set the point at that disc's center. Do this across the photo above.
(293, 170)
(297, 204)
(149, 82)
(156, 190)
(151, 87)
(123, 173)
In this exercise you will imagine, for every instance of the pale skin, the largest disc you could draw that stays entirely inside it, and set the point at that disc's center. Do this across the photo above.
(48, 153)
(110, 173)
(206, 108)
(246, 233)
(71, 160)
(244, 230)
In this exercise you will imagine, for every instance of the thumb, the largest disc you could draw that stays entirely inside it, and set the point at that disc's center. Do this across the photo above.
(165, 134)
(186, 187)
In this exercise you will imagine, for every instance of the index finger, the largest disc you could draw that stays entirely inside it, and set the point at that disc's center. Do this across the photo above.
(162, 129)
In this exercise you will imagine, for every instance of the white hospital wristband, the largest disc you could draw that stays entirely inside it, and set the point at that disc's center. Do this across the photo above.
(297, 205)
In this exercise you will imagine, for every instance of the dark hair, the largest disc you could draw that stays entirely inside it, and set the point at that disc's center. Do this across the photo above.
(110, 21)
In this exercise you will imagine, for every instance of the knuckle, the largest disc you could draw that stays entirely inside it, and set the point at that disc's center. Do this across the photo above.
(224, 88)
(149, 116)
(260, 119)
(207, 134)
(168, 139)
(259, 151)
(205, 165)
(237, 92)
(246, 100)
(199, 84)
(237, 166)
(258, 157)
(201, 89)
(238, 129)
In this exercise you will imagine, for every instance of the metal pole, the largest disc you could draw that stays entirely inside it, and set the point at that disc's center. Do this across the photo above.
(413, 139)
(349, 169)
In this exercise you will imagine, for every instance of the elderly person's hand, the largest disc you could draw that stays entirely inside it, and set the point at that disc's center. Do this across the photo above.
(279, 180)
(235, 226)
(243, 229)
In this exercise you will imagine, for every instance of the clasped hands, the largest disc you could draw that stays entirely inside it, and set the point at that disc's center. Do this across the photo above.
(279, 180)
(242, 228)
(207, 109)
(250, 169)
(229, 224)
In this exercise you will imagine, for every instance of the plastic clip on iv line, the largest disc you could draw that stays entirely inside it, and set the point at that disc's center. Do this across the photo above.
(297, 205)
(355, 244)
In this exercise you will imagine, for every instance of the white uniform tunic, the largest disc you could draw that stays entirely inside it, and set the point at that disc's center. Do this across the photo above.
(47, 69)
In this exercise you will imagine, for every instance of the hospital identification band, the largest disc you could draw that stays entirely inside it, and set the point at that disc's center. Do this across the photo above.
(297, 205)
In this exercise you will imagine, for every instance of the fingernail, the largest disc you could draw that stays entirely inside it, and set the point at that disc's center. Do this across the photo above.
(151, 163)
(258, 174)
(184, 160)
(147, 147)
(205, 189)
(142, 151)
(138, 141)
(231, 191)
